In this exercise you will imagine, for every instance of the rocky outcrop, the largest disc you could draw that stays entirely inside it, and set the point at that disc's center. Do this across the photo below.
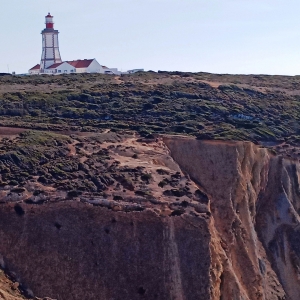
(254, 201)
(236, 237)
(79, 251)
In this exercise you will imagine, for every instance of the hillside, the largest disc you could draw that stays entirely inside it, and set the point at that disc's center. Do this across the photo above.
(149, 186)
(228, 107)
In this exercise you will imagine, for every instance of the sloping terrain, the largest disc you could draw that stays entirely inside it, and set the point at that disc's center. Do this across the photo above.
(9, 289)
(149, 186)
(262, 109)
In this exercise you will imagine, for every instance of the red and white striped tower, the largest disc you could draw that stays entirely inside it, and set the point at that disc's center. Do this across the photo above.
(50, 53)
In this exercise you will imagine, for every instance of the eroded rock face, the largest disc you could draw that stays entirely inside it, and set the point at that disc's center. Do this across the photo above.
(78, 251)
(254, 200)
(236, 237)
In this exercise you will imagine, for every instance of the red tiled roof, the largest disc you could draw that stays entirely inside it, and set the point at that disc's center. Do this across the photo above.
(36, 67)
(55, 65)
(80, 63)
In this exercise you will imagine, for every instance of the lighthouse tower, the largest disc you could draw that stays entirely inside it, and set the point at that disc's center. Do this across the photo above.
(50, 53)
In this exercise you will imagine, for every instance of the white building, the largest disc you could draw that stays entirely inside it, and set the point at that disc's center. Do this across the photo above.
(86, 66)
(75, 66)
(60, 68)
(35, 70)
(91, 66)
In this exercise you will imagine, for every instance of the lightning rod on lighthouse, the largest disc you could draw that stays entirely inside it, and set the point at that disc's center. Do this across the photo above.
(50, 52)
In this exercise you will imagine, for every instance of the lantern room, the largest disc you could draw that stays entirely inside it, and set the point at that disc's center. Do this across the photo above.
(49, 21)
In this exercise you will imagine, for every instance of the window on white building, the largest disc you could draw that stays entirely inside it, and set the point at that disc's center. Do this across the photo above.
(59, 71)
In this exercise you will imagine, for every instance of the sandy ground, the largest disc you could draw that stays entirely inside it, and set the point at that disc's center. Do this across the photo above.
(13, 88)
(10, 131)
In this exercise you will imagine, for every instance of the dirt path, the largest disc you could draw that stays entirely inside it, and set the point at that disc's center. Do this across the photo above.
(72, 149)
(118, 80)
(8, 131)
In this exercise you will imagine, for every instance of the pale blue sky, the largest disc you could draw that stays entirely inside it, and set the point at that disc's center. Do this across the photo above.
(218, 36)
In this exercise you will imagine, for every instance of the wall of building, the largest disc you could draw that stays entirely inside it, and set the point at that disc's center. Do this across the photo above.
(34, 72)
(94, 67)
(64, 68)
(81, 70)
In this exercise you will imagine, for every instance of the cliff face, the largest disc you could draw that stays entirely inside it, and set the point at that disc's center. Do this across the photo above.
(254, 200)
(245, 245)
(78, 251)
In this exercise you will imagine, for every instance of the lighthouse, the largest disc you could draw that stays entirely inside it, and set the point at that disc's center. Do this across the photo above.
(50, 52)
(52, 64)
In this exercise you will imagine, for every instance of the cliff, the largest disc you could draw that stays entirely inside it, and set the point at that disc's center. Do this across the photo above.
(254, 200)
(232, 233)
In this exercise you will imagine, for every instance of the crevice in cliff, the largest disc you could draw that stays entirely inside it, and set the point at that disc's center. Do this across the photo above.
(222, 287)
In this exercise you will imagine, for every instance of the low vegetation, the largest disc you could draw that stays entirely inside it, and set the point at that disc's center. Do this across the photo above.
(226, 107)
